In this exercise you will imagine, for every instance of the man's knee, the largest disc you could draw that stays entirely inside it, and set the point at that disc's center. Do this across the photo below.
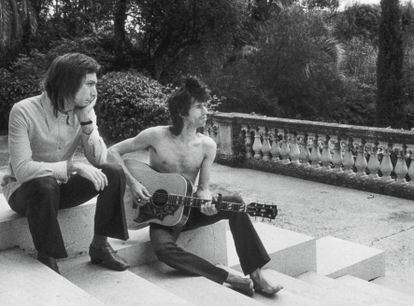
(164, 251)
(43, 193)
(42, 187)
(113, 172)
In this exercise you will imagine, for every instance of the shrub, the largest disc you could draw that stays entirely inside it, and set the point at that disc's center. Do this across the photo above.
(20, 81)
(360, 61)
(128, 103)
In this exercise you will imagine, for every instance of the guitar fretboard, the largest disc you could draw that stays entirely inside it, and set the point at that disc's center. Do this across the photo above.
(196, 202)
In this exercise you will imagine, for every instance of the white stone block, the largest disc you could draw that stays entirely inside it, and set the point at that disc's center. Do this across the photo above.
(208, 242)
(291, 253)
(25, 281)
(76, 224)
(337, 257)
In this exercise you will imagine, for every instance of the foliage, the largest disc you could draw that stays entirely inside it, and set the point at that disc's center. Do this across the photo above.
(322, 4)
(97, 46)
(360, 61)
(128, 103)
(354, 104)
(21, 81)
(358, 20)
(408, 65)
(297, 61)
(390, 109)
(178, 36)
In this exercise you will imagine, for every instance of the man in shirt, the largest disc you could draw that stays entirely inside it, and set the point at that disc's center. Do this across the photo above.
(179, 148)
(44, 132)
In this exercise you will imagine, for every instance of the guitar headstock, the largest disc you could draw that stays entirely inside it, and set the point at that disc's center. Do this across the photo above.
(262, 210)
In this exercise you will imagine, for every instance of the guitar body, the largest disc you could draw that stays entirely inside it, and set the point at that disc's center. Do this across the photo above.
(157, 209)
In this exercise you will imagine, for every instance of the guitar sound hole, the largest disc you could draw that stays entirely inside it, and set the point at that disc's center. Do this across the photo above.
(160, 197)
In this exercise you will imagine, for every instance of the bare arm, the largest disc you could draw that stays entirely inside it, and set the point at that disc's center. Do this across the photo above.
(203, 190)
(140, 142)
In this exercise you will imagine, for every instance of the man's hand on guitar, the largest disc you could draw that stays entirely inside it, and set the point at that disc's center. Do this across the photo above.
(140, 194)
(207, 208)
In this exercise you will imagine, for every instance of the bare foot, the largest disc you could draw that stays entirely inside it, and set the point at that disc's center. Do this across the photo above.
(241, 284)
(262, 285)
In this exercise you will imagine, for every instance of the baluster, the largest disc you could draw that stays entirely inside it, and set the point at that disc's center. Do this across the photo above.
(303, 149)
(248, 140)
(266, 144)
(315, 155)
(386, 166)
(348, 160)
(275, 149)
(284, 149)
(401, 169)
(257, 144)
(326, 157)
(410, 150)
(360, 161)
(373, 162)
(294, 148)
(337, 154)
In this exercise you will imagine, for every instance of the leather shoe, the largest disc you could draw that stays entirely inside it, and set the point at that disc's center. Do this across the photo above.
(48, 261)
(106, 256)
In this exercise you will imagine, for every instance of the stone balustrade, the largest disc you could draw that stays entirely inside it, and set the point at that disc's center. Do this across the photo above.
(368, 158)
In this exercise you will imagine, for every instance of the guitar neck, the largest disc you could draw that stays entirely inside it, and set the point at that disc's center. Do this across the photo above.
(196, 202)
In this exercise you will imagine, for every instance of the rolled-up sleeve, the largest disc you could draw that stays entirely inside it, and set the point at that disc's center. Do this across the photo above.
(23, 165)
(94, 147)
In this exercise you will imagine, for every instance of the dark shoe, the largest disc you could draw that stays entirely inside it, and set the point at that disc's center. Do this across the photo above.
(48, 261)
(107, 257)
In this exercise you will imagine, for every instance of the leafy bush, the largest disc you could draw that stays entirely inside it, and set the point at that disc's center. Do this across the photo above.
(97, 46)
(358, 20)
(354, 104)
(20, 81)
(360, 61)
(128, 103)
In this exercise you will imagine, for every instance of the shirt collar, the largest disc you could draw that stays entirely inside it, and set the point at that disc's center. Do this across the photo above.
(50, 113)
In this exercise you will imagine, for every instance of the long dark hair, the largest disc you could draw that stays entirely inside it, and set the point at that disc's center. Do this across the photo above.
(65, 75)
(181, 100)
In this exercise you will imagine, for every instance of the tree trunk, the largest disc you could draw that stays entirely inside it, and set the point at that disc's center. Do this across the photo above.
(119, 29)
(390, 108)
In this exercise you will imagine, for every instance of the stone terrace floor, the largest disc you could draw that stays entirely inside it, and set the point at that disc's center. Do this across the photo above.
(319, 210)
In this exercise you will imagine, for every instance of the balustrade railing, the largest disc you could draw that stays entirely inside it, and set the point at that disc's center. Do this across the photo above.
(376, 159)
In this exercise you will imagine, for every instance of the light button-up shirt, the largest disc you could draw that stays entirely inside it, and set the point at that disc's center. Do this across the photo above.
(41, 143)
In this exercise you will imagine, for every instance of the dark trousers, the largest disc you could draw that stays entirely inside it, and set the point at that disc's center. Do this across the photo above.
(41, 198)
(251, 252)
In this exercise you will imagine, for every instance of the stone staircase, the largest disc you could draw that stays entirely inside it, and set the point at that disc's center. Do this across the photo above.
(325, 271)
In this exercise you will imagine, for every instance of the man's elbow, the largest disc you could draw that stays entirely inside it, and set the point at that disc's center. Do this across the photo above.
(113, 155)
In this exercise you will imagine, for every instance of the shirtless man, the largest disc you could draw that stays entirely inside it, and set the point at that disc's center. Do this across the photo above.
(179, 148)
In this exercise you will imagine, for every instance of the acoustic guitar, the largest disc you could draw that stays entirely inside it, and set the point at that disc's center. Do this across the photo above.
(172, 199)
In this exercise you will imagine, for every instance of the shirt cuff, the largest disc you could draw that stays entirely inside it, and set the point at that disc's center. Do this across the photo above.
(60, 170)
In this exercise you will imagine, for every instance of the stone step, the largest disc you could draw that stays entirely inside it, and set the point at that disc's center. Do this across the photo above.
(76, 224)
(286, 297)
(116, 288)
(322, 295)
(396, 284)
(195, 289)
(291, 253)
(337, 257)
(25, 281)
(208, 242)
(349, 297)
(77, 230)
(391, 296)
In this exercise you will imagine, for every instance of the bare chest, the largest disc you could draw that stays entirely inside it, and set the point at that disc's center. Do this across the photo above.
(173, 158)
